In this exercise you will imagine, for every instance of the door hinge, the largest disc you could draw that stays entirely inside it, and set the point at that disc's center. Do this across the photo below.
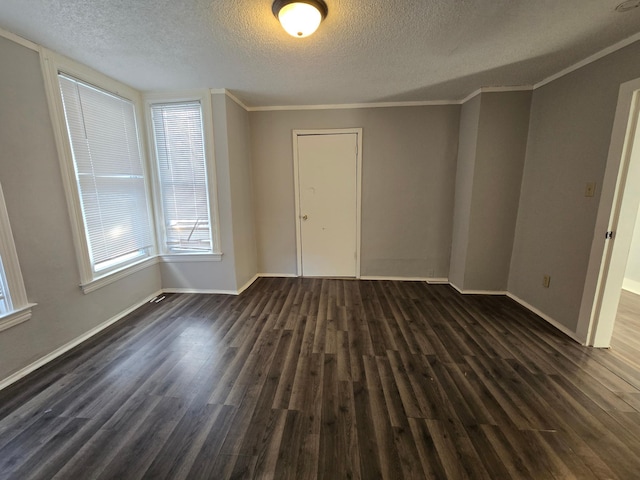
(609, 235)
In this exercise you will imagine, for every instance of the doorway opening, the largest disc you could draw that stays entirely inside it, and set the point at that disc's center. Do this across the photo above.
(625, 339)
(617, 214)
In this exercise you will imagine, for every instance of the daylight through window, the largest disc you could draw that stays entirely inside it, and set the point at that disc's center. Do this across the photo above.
(5, 301)
(180, 152)
(109, 173)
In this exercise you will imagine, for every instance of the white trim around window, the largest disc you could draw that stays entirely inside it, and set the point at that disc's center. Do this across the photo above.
(204, 98)
(19, 308)
(52, 65)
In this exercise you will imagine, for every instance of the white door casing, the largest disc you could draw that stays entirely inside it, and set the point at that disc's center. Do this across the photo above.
(616, 213)
(327, 171)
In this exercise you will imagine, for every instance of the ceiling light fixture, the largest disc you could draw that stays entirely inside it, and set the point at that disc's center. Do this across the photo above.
(627, 6)
(300, 18)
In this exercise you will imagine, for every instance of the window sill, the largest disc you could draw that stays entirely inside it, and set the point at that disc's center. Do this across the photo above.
(116, 275)
(16, 317)
(191, 257)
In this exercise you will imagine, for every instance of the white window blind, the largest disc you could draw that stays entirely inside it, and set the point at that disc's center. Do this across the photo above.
(14, 306)
(5, 301)
(108, 164)
(179, 142)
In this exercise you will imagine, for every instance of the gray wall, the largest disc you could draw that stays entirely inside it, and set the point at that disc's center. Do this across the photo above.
(244, 238)
(212, 276)
(493, 139)
(31, 179)
(500, 154)
(408, 176)
(469, 120)
(569, 136)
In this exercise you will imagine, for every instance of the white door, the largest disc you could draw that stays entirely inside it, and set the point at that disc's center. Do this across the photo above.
(619, 204)
(328, 204)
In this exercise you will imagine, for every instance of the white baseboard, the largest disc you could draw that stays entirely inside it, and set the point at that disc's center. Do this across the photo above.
(73, 343)
(438, 281)
(400, 279)
(430, 280)
(276, 275)
(529, 307)
(212, 291)
(478, 292)
(198, 290)
(248, 284)
(547, 318)
(632, 286)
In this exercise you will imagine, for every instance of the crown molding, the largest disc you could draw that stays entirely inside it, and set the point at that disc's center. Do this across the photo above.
(507, 88)
(342, 106)
(19, 40)
(419, 103)
(593, 58)
(224, 91)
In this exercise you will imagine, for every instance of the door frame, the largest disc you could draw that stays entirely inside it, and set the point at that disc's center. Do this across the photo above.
(617, 213)
(335, 131)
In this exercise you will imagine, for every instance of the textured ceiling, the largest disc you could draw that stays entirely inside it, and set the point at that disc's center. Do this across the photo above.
(365, 50)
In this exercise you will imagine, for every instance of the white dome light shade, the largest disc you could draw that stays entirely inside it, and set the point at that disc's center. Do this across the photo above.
(299, 19)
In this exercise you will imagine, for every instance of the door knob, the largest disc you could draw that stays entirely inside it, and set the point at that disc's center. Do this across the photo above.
(304, 217)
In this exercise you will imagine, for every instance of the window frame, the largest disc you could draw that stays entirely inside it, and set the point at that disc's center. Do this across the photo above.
(20, 310)
(204, 98)
(52, 64)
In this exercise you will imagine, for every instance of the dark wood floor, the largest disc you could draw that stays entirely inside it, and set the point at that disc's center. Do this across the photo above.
(336, 379)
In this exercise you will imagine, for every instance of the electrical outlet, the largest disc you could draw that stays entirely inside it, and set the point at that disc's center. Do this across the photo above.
(590, 189)
(546, 281)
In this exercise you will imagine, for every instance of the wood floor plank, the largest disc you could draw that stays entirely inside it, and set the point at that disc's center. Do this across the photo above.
(205, 461)
(140, 449)
(181, 448)
(30, 441)
(268, 448)
(57, 451)
(290, 446)
(328, 455)
(507, 453)
(450, 457)
(307, 468)
(288, 368)
(403, 384)
(347, 444)
(306, 378)
(431, 463)
(370, 461)
(307, 391)
(495, 465)
(387, 450)
(102, 447)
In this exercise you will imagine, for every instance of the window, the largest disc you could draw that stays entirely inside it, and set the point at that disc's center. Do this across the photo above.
(5, 305)
(109, 175)
(106, 176)
(14, 307)
(179, 141)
